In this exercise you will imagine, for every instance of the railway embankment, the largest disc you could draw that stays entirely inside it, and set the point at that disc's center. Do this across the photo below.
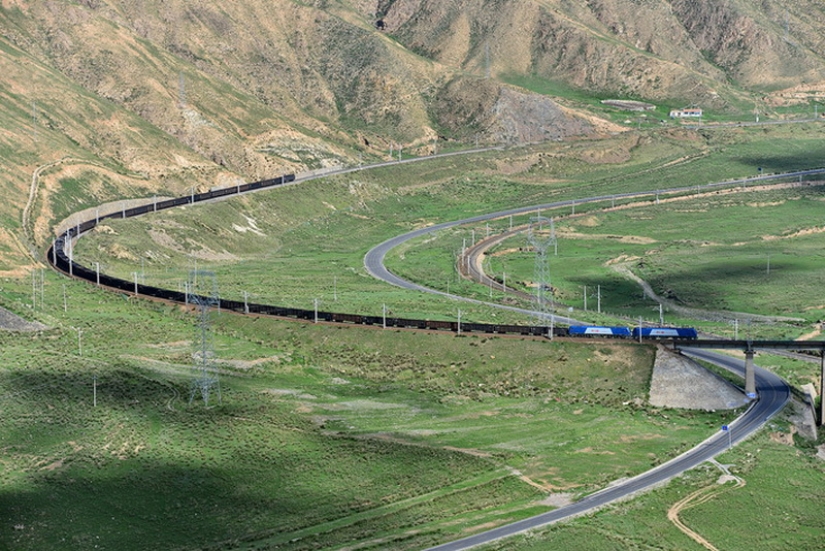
(680, 382)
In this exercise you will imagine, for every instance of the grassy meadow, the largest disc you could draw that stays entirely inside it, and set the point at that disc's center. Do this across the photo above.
(323, 434)
(333, 437)
(776, 508)
(744, 252)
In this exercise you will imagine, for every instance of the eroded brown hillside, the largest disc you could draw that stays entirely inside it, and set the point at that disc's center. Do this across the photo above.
(157, 96)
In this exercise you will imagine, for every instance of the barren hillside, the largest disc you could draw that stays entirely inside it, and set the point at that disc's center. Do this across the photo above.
(136, 97)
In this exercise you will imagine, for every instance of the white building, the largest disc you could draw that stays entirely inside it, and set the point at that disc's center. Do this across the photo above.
(685, 113)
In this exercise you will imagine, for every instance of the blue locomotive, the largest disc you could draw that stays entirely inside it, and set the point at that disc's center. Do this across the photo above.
(682, 333)
(600, 331)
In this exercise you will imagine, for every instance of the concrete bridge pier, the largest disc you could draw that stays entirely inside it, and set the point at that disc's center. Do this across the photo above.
(821, 388)
(750, 376)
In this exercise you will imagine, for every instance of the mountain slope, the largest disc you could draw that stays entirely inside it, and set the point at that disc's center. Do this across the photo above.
(660, 49)
(170, 94)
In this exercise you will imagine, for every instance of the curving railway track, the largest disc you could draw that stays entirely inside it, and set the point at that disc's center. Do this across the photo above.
(774, 393)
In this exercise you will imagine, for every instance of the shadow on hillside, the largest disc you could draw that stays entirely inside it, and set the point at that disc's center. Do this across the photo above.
(619, 294)
(143, 504)
(783, 163)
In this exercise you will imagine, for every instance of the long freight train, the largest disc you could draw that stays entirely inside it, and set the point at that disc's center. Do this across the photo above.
(62, 261)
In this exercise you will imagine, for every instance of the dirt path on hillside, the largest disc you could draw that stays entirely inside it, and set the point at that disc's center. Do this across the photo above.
(696, 313)
(699, 497)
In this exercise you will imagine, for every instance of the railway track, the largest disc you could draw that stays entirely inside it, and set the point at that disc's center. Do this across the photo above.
(774, 392)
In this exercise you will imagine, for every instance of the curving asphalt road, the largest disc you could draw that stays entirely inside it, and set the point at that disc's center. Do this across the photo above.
(374, 263)
(374, 259)
(774, 393)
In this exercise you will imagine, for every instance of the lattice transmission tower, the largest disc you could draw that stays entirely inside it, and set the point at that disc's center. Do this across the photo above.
(541, 235)
(202, 293)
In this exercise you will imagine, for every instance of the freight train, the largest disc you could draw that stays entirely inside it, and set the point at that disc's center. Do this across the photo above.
(63, 261)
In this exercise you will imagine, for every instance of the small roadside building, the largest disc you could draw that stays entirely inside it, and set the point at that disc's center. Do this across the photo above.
(688, 112)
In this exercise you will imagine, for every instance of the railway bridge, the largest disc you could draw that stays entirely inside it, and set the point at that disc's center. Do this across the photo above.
(749, 346)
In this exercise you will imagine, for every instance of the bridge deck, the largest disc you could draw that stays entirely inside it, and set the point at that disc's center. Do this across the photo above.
(752, 344)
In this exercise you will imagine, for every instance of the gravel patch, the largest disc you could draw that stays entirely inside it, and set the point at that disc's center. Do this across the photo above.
(13, 322)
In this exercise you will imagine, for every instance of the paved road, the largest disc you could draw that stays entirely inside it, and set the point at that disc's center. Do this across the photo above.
(374, 259)
(774, 393)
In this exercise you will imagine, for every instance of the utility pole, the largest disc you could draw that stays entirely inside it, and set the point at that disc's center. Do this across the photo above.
(204, 296)
(585, 298)
(822, 388)
(540, 242)
(599, 299)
